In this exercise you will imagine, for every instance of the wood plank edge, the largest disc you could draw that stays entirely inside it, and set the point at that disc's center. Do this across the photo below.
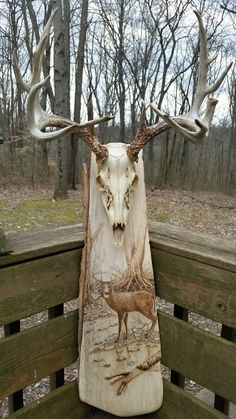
(65, 323)
(181, 234)
(175, 400)
(178, 404)
(178, 249)
(55, 401)
(201, 335)
(33, 254)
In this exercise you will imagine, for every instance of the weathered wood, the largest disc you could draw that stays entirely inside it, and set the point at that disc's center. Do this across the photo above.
(15, 400)
(119, 372)
(31, 287)
(35, 244)
(37, 352)
(180, 313)
(62, 403)
(197, 286)
(57, 378)
(4, 247)
(205, 358)
(173, 239)
(221, 403)
(203, 248)
(174, 247)
(177, 404)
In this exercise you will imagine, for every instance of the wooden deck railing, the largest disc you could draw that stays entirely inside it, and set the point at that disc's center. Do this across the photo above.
(194, 272)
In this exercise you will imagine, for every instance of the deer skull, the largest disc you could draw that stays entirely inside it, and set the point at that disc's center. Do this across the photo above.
(116, 179)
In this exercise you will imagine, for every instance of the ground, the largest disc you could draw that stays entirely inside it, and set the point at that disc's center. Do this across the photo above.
(25, 208)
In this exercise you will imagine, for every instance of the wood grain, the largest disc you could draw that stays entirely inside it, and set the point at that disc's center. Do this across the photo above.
(203, 248)
(178, 404)
(205, 358)
(202, 288)
(62, 403)
(119, 362)
(36, 285)
(35, 244)
(35, 353)
(210, 264)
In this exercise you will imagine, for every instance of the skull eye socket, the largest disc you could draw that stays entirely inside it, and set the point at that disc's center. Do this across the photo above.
(100, 183)
(127, 199)
(109, 199)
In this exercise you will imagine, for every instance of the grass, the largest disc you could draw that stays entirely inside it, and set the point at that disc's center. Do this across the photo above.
(40, 213)
(25, 209)
(156, 213)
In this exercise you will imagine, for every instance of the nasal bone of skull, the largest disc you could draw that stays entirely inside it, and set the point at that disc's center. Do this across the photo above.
(119, 223)
(120, 220)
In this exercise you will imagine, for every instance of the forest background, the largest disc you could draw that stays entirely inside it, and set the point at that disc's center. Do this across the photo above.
(122, 52)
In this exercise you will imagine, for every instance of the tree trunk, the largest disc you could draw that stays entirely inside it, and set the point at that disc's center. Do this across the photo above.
(61, 80)
(232, 147)
(121, 85)
(76, 163)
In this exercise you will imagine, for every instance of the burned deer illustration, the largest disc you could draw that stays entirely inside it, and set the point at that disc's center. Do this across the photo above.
(117, 202)
(127, 302)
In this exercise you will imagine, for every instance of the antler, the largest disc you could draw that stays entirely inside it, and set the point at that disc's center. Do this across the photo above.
(38, 119)
(189, 125)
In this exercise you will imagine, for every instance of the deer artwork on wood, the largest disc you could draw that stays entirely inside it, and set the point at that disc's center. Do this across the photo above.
(119, 372)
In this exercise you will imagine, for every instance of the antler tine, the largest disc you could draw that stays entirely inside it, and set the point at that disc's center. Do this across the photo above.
(25, 86)
(202, 88)
(37, 57)
(192, 133)
(38, 119)
(189, 125)
(42, 45)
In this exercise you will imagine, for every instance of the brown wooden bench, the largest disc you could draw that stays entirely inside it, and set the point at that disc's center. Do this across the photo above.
(194, 272)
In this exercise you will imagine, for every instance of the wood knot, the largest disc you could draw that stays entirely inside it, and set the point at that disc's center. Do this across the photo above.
(221, 306)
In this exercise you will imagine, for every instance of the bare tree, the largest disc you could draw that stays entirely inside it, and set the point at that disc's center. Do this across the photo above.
(62, 91)
(78, 95)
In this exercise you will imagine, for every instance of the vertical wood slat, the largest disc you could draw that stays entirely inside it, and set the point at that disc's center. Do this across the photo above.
(176, 378)
(221, 403)
(57, 378)
(15, 400)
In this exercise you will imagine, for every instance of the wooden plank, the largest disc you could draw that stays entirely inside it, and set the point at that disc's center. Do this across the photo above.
(201, 356)
(204, 248)
(57, 379)
(178, 404)
(37, 352)
(62, 403)
(4, 248)
(15, 400)
(176, 378)
(221, 403)
(202, 288)
(34, 244)
(119, 375)
(210, 249)
(36, 285)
